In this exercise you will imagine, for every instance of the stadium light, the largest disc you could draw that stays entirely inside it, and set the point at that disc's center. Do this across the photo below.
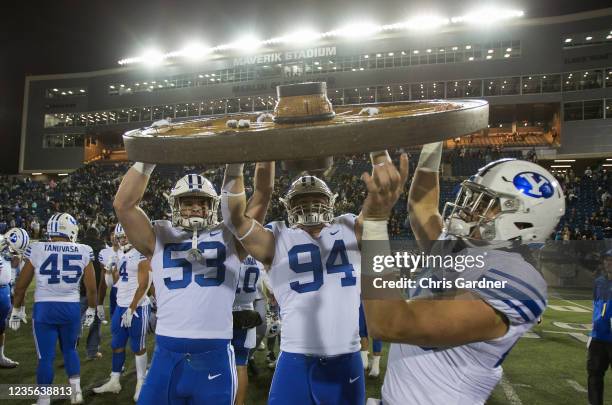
(300, 36)
(487, 16)
(36, 174)
(559, 166)
(152, 57)
(564, 160)
(568, 40)
(426, 22)
(607, 165)
(356, 30)
(192, 51)
(62, 174)
(353, 30)
(609, 159)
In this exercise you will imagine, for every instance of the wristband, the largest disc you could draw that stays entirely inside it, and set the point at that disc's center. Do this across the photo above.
(430, 158)
(377, 154)
(375, 230)
(144, 168)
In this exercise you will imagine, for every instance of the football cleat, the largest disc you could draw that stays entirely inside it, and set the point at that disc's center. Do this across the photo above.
(5, 362)
(76, 397)
(111, 385)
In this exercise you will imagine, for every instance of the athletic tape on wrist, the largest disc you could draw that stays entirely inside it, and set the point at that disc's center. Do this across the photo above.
(431, 155)
(144, 168)
(375, 230)
(376, 154)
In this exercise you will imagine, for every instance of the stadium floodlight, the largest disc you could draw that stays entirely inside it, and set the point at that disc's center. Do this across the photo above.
(568, 40)
(152, 57)
(37, 174)
(299, 36)
(607, 165)
(487, 16)
(192, 51)
(609, 159)
(609, 36)
(356, 30)
(561, 166)
(426, 22)
(589, 38)
(62, 174)
(564, 160)
(246, 43)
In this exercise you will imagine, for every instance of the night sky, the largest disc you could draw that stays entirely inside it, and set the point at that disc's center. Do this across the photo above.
(55, 36)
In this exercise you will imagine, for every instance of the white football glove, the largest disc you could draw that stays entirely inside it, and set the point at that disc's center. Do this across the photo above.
(18, 315)
(90, 316)
(126, 318)
(100, 312)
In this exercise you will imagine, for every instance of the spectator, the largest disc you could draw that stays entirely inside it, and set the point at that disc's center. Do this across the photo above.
(600, 343)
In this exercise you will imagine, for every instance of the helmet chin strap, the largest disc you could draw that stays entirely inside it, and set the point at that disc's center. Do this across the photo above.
(196, 224)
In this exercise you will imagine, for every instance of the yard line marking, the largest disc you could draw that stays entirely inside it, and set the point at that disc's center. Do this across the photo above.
(575, 385)
(572, 302)
(511, 394)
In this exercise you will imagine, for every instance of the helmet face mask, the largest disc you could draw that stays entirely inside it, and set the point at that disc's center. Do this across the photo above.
(309, 202)
(194, 203)
(507, 200)
(475, 210)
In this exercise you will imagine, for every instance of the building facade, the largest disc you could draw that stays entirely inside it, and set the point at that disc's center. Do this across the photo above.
(563, 61)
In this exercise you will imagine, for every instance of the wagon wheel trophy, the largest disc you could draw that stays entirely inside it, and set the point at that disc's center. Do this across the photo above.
(305, 130)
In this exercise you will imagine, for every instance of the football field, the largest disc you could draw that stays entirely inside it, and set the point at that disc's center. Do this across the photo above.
(548, 366)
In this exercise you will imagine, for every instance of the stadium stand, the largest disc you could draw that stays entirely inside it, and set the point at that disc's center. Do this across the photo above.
(88, 193)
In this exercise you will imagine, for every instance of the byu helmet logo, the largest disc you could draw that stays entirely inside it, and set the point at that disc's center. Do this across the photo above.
(533, 184)
(13, 238)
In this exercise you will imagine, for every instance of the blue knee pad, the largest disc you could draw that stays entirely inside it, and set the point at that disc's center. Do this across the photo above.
(195, 371)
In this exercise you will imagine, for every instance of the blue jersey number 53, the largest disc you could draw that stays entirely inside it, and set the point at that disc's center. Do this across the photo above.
(187, 267)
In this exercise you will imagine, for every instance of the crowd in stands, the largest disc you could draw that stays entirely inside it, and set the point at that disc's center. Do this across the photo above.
(88, 193)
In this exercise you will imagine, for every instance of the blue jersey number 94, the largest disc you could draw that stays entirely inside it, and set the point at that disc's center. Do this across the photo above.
(187, 266)
(315, 266)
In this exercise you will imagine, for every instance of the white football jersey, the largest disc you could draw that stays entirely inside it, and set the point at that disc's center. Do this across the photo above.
(466, 375)
(127, 284)
(316, 282)
(248, 284)
(58, 268)
(6, 271)
(194, 300)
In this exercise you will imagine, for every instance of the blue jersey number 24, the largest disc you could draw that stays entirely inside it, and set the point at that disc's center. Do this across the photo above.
(315, 265)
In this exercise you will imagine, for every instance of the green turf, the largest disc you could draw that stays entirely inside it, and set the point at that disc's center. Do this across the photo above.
(536, 369)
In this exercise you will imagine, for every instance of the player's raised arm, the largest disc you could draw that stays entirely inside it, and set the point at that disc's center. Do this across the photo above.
(384, 186)
(444, 322)
(424, 196)
(133, 219)
(258, 204)
(257, 241)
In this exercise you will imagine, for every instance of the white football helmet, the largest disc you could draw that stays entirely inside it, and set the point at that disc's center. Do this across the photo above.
(63, 225)
(311, 213)
(194, 185)
(507, 200)
(17, 240)
(122, 240)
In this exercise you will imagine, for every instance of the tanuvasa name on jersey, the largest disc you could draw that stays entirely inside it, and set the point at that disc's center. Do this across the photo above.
(430, 283)
(61, 248)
